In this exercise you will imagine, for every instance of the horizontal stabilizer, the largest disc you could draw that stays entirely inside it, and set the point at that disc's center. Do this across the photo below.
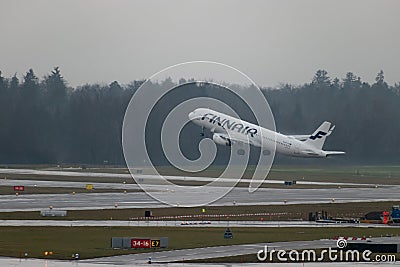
(331, 153)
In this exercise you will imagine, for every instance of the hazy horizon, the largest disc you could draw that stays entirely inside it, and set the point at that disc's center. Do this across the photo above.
(273, 42)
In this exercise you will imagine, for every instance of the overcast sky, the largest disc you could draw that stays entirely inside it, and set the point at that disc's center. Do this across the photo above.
(273, 42)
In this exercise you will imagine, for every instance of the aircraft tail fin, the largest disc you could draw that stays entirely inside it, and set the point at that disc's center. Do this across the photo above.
(317, 139)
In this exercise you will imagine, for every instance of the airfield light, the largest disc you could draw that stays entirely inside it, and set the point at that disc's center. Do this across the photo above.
(46, 253)
(16, 193)
(50, 253)
(51, 207)
(89, 186)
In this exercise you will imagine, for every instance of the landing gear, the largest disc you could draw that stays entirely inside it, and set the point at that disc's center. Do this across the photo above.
(202, 131)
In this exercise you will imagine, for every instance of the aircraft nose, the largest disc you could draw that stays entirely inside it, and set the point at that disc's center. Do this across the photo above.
(191, 115)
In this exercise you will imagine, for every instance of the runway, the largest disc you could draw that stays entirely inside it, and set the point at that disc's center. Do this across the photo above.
(167, 258)
(239, 196)
(195, 224)
(208, 252)
(151, 178)
(221, 251)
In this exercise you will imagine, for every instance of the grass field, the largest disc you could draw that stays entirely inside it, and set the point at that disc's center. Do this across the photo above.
(348, 173)
(354, 174)
(9, 190)
(92, 242)
(84, 179)
(286, 212)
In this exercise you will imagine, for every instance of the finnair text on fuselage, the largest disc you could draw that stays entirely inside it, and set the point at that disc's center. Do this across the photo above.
(230, 124)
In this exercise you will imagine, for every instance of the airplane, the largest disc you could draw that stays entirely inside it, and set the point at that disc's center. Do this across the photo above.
(229, 131)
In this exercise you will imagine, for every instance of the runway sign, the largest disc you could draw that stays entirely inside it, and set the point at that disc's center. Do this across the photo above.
(145, 243)
(19, 188)
(139, 242)
(155, 243)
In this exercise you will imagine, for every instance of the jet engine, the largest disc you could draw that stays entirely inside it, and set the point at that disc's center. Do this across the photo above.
(221, 139)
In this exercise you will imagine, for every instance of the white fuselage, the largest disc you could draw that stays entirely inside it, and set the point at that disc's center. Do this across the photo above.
(234, 130)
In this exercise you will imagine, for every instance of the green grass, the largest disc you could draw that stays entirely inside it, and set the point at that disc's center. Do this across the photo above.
(9, 190)
(68, 178)
(92, 242)
(382, 174)
(291, 212)
(355, 174)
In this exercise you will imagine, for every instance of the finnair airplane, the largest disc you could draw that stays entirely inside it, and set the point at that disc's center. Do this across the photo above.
(228, 131)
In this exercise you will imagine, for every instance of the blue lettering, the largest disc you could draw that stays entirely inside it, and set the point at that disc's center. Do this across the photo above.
(226, 123)
(252, 132)
(238, 126)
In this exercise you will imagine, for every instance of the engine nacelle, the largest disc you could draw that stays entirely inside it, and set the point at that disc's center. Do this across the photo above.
(222, 139)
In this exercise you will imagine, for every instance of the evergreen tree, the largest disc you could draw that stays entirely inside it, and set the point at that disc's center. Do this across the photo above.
(380, 80)
(321, 78)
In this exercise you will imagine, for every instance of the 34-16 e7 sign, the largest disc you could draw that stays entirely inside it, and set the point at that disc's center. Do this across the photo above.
(139, 242)
(19, 188)
(145, 243)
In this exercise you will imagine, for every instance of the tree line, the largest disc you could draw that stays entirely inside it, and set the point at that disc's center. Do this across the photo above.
(47, 121)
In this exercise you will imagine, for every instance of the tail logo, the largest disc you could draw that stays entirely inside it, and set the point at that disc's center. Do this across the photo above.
(320, 134)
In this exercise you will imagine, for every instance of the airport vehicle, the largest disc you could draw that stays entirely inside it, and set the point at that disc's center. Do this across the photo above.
(230, 131)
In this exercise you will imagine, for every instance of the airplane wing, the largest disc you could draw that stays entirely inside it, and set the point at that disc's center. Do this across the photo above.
(233, 137)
